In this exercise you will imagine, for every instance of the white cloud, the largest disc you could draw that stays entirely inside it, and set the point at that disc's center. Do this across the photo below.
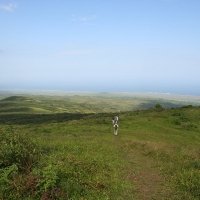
(75, 53)
(86, 20)
(10, 7)
(82, 18)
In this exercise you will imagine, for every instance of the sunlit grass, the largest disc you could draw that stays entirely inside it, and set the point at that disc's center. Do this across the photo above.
(155, 155)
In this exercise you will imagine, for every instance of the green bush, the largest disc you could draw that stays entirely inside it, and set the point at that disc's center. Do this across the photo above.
(177, 122)
(48, 178)
(7, 175)
(189, 126)
(17, 149)
(158, 107)
(19, 154)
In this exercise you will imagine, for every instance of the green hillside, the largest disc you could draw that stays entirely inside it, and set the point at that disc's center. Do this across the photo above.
(156, 154)
(87, 103)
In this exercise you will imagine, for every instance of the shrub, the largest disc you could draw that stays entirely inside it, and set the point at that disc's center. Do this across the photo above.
(18, 155)
(177, 122)
(7, 174)
(17, 149)
(48, 178)
(189, 126)
(158, 107)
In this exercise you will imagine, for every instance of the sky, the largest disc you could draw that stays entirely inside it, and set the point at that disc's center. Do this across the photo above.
(100, 45)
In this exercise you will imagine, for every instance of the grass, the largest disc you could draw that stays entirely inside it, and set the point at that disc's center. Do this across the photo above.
(76, 156)
(35, 104)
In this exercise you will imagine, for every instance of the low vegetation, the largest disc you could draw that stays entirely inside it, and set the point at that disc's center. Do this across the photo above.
(102, 103)
(76, 156)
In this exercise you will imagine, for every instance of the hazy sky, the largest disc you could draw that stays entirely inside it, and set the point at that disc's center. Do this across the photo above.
(101, 45)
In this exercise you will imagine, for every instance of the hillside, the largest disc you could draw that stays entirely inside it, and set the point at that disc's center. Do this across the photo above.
(22, 109)
(87, 102)
(63, 156)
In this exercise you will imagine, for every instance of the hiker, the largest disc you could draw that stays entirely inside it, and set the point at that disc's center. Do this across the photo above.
(116, 119)
(113, 120)
(116, 129)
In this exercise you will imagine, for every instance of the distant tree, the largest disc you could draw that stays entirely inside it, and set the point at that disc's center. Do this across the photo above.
(158, 106)
(188, 106)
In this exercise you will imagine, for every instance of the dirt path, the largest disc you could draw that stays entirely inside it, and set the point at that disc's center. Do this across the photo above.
(148, 182)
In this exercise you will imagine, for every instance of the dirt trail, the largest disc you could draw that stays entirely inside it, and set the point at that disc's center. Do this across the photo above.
(147, 178)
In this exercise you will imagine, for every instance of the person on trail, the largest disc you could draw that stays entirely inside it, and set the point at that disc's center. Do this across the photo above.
(116, 129)
(116, 119)
(113, 120)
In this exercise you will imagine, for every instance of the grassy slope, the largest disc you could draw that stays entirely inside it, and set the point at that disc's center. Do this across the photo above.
(145, 161)
(155, 156)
